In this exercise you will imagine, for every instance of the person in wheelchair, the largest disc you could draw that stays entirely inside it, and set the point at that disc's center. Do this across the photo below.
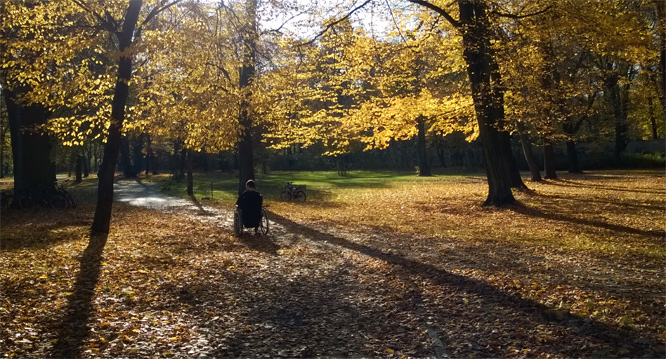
(250, 203)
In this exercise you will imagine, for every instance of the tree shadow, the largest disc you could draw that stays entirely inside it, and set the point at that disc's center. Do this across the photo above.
(258, 242)
(569, 183)
(74, 327)
(493, 297)
(202, 211)
(533, 212)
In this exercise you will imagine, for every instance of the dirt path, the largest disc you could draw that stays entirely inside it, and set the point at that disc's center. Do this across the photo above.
(148, 195)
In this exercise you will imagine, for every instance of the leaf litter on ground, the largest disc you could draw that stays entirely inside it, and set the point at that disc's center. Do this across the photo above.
(410, 270)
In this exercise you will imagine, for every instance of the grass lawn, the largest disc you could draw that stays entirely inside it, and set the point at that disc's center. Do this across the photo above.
(374, 264)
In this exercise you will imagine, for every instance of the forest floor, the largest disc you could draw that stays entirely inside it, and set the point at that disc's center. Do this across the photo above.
(413, 268)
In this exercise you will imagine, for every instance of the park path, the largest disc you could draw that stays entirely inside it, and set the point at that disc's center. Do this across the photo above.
(148, 195)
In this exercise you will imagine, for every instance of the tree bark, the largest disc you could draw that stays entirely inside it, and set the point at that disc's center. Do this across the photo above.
(102, 220)
(138, 154)
(549, 160)
(190, 177)
(247, 72)
(34, 172)
(424, 166)
(572, 156)
(78, 170)
(529, 155)
(477, 54)
(125, 162)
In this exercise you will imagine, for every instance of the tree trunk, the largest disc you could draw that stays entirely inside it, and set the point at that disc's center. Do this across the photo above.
(477, 54)
(78, 170)
(102, 220)
(530, 158)
(182, 167)
(440, 155)
(529, 154)
(247, 72)
(572, 156)
(125, 162)
(424, 166)
(138, 154)
(653, 119)
(34, 173)
(149, 155)
(549, 160)
(514, 173)
(190, 177)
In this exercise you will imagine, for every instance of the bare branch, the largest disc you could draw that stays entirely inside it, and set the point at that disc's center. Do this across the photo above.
(514, 16)
(156, 10)
(438, 10)
(103, 22)
(329, 26)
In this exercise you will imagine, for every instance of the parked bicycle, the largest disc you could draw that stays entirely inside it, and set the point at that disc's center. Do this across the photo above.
(293, 192)
(58, 197)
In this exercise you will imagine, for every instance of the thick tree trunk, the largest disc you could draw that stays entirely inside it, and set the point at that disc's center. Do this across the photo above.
(572, 156)
(102, 220)
(549, 160)
(512, 166)
(34, 173)
(477, 54)
(247, 72)
(424, 166)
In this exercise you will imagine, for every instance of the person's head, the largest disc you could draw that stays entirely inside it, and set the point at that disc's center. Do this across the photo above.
(250, 184)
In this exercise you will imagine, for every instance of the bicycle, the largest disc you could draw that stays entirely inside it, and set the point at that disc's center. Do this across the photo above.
(58, 197)
(291, 191)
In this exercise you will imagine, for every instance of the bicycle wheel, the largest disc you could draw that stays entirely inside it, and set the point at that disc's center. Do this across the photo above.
(300, 196)
(57, 202)
(264, 225)
(69, 201)
(26, 203)
(285, 196)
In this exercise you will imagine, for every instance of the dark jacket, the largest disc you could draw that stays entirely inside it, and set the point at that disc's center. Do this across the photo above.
(250, 203)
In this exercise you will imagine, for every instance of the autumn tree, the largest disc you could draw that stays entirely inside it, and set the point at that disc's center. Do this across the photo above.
(63, 75)
(34, 170)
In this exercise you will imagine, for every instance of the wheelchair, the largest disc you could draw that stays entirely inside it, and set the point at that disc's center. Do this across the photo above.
(238, 222)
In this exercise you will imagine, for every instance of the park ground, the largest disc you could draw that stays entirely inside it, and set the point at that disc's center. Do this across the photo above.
(371, 265)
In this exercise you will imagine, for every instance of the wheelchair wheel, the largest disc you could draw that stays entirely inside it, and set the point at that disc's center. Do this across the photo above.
(285, 196)
(238, 226)
(300, 196)
(263, 226)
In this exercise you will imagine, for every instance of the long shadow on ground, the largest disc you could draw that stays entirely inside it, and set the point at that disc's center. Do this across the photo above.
(74, 328)
(609, 341)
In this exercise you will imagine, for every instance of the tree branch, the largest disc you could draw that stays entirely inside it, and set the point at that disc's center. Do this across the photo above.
(156, 10)
(514, 16)
(329, 26)
(438, 10)
(104, 23)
